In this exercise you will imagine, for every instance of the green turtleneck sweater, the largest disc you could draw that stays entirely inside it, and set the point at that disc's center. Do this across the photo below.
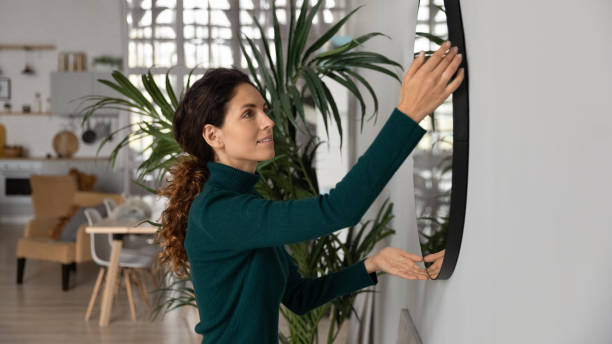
(235, 241)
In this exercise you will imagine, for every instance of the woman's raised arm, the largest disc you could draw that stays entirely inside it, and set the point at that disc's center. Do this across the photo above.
(243, 221)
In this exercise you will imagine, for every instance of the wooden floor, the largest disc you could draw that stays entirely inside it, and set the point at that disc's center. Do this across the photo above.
(38, 311)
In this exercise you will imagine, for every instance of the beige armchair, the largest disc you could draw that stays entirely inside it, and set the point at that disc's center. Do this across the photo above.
(52, 197)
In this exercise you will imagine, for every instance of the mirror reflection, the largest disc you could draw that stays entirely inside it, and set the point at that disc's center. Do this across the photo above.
(433, 155)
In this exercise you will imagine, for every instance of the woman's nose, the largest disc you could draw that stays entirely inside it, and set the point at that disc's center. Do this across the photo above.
(268, 121)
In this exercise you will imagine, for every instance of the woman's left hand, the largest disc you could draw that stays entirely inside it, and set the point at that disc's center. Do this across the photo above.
(397, 262)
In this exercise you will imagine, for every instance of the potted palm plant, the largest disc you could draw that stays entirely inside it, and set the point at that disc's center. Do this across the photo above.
(285, 78)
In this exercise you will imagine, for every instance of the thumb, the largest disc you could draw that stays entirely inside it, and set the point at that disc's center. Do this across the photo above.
(417, 258)
(430, 258)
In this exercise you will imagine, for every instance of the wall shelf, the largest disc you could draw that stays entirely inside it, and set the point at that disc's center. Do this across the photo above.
(50, 114)
(27, 47)
(25, 113)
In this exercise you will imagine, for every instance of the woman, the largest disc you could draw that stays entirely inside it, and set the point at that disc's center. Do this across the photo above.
(232, 240)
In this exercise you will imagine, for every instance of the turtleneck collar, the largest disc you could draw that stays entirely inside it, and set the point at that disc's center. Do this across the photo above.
(232, 178)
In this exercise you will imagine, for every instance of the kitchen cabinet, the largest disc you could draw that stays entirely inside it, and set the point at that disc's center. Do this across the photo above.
(67, 87)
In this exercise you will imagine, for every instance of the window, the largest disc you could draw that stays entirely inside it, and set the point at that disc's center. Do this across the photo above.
(184, 34)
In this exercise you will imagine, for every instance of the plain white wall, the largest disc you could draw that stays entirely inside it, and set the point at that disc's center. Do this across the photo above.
(535, 259)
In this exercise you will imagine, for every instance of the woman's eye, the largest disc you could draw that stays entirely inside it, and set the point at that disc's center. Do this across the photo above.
(266, 111)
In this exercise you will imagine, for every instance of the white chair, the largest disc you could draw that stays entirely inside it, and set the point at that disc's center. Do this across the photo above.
(110, 204)
(128, 261)
(140, 242)
(93, 216)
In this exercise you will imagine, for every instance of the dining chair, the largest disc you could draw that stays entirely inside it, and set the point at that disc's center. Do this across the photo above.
(143, 243)
(129, 262)
(110, 204)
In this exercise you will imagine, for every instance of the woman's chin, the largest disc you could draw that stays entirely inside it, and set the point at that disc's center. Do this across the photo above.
(266, 157)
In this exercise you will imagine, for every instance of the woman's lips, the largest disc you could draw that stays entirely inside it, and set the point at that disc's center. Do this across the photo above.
(266, 141)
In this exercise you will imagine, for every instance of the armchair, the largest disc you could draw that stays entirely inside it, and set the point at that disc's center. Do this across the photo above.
(52, 197)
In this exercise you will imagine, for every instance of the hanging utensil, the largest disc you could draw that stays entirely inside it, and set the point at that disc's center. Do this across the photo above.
(108, 130)
(99, 129)
(89, 135)
(28, 69)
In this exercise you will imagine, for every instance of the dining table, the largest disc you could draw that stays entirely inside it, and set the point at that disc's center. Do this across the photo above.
(116, 227)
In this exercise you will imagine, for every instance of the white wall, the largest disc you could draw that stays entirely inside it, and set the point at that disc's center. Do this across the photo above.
(535, 259)
(396, 19)
(92, 26)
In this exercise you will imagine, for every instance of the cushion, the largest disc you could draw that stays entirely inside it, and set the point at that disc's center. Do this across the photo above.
(55, 232)
(85, 181)
(69, 232)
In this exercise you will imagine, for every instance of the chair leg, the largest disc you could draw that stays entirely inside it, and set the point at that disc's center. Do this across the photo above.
(94, 295)
(154, 279)
(73, 266)
(142, 287)
(117, 286)
(20, 268)
(65, 276)
(129, 292)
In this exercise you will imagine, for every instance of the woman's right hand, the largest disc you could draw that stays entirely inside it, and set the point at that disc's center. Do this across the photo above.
(425, 85)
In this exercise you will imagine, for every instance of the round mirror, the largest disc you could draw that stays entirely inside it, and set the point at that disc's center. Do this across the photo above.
(441, 158)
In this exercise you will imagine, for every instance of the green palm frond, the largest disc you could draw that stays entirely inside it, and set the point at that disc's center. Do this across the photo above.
(158, 110)
(305, 66)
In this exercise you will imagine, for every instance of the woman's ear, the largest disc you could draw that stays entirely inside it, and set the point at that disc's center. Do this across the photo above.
(213, 136)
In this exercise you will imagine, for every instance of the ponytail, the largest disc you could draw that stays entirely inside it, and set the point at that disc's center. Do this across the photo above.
(205, 102)
(188, 179)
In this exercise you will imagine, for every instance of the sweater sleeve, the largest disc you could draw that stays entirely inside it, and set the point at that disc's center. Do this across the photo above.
(305, 294)
(243, 221)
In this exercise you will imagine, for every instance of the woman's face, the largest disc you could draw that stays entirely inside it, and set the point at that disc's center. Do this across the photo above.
(238, 143)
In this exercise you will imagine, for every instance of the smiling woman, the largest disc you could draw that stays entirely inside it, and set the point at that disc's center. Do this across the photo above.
(231, 239)
(205, 103)
(246, 137)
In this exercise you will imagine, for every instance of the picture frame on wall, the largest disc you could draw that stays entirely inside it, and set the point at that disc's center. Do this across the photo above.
(5, 88)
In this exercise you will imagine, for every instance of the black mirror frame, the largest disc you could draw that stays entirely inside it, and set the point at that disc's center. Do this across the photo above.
(460, 160)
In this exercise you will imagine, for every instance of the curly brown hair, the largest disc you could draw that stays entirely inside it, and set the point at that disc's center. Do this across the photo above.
(205, 102)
